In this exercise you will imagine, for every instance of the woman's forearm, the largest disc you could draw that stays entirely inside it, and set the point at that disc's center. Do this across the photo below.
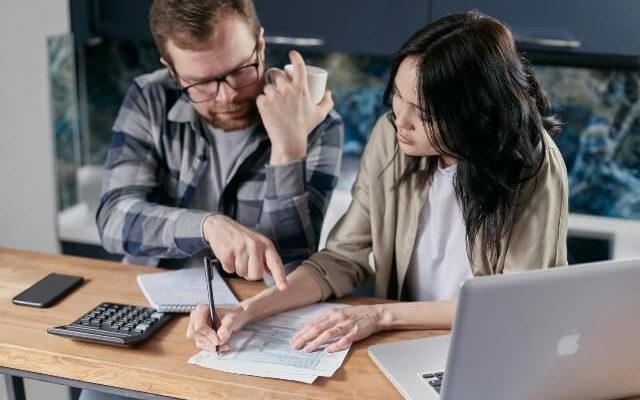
(417, 315)
(302, 289)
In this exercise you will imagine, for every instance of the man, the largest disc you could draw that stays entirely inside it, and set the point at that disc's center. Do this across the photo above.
(205, 157)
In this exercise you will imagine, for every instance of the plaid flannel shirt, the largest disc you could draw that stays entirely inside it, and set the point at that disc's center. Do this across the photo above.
(158, 156)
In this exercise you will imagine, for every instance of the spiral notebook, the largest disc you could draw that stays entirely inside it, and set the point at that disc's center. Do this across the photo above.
(182, 290)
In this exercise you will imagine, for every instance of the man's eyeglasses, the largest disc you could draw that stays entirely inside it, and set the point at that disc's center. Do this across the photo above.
(239, 78)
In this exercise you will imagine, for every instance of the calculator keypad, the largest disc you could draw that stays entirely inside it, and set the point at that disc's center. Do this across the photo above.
(120, 318)
(116, 324)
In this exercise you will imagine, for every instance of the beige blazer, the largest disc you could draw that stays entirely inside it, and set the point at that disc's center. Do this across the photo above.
(383, 220)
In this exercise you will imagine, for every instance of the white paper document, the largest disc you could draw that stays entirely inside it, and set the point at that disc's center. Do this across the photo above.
(182, 290)
(262, 349)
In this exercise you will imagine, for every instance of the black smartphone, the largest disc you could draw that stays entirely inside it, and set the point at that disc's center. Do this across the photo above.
(48, 290)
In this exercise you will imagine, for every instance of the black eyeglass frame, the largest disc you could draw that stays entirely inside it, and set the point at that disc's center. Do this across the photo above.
(221, 79)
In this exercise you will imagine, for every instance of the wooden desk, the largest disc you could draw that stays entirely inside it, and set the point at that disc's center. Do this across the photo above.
(157, 369)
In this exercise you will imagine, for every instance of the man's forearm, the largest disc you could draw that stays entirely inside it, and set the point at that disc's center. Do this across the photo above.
(286, 214)
(133, 226)
(283, 155)
(298, 192)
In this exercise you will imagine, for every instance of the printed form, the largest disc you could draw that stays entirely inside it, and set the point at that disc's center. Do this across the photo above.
(262, 349)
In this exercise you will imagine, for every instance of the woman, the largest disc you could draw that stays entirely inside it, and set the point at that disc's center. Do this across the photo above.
(460, 179)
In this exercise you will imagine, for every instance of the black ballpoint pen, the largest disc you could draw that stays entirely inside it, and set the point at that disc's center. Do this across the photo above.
(212, 306)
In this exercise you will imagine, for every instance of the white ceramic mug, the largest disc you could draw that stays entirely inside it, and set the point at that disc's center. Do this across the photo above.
(316, 80)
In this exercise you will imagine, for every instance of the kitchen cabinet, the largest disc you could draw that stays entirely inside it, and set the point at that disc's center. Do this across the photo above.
(352, 26)
(114, 19)
(580, 26)
(596, 27)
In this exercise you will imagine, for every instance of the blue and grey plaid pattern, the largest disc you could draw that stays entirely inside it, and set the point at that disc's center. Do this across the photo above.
(158, 156)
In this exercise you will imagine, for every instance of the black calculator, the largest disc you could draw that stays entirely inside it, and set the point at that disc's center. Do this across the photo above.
(114, 324)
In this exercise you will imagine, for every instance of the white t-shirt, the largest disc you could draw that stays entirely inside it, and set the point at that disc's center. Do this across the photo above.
(225, 152)
(439, 264)
(224, 156)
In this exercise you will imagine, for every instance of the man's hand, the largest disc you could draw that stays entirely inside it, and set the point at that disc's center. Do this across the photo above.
(242, 250)
(288, 113)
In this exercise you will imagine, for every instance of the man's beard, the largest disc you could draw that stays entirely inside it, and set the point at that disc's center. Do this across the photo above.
(227, 123)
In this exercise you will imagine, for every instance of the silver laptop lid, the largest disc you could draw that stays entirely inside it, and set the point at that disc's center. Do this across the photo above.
(565, 333)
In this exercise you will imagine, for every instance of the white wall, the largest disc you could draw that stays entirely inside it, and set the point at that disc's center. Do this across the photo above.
(27, 178)
(27, 184)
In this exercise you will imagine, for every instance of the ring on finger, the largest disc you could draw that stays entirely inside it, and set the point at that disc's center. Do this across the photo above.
(339, 332)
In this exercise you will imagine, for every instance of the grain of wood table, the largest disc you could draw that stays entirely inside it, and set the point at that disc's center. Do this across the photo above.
(157, 369)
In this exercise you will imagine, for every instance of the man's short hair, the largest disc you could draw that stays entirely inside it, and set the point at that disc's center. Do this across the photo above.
(190, 23)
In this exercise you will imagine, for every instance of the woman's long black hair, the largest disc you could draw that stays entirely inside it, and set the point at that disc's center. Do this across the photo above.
(486, 105)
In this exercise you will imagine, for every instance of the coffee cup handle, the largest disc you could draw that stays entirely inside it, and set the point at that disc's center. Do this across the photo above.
(268, 75)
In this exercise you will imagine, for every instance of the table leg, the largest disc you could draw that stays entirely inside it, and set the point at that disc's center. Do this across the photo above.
(74, 392)
(15, 387)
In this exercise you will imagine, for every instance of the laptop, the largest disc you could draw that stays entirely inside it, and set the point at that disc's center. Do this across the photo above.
(563, 333)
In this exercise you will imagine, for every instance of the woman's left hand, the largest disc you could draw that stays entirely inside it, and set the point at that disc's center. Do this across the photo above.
(340, 327)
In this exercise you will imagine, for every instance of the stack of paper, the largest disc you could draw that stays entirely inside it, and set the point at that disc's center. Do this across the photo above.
(262, 349)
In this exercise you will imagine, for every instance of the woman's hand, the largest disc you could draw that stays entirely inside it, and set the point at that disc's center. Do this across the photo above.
(340, 327)
(229, 320)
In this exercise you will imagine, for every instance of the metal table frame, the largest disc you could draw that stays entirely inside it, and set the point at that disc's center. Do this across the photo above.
(14, 381)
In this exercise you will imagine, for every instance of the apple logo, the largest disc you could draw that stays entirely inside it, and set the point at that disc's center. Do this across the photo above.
(568, 344)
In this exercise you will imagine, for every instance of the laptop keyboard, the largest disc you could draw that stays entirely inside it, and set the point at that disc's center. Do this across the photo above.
(434, 380)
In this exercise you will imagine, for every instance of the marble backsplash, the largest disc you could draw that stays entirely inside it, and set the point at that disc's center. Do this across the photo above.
(600, 109)
(600, 139)
(64, 109)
